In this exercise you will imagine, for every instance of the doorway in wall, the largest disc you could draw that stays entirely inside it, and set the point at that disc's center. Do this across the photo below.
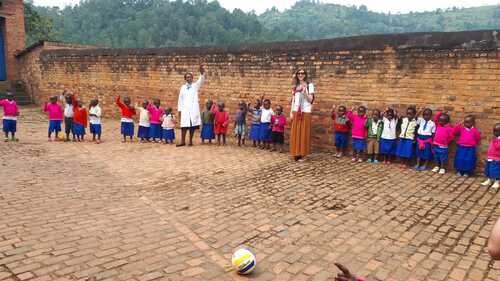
(3, 68)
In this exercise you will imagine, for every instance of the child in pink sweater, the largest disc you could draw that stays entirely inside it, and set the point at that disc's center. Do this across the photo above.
(492, 167)
(469, 138)
(442, 139)
(55, 117)
(9, 120)
(155, 113)
(278, 122)
(359, 132)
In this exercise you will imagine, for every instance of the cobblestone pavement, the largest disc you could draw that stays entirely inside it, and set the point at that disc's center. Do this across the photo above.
(113, 211)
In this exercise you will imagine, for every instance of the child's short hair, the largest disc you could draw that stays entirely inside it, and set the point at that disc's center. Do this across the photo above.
(428, 110)
(412, 108)
(168, 109)
(362, 107)
(471, 116)
(267, 100)
(390, 111)
(343, 108)
(445, 117)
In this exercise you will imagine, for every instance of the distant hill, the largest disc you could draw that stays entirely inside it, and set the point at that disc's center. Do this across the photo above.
(160, 23)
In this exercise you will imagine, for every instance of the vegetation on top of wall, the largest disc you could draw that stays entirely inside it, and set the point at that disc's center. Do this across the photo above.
(162, 23)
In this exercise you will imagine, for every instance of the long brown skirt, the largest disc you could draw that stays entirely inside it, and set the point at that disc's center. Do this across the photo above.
(300, 137)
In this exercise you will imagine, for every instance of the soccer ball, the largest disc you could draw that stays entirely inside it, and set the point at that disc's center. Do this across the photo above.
(244, 261)
(61, 136)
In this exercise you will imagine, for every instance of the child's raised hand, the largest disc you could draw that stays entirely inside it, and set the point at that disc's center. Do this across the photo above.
(345, 275)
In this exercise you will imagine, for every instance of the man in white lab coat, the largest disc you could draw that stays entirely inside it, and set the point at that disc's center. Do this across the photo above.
(189, 107)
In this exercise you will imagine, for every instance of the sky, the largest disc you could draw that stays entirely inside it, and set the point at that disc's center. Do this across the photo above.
(393, 6)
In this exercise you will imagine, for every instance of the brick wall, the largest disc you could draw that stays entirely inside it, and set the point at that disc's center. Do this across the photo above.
(28, 64)
(456, 71)
(13, 13)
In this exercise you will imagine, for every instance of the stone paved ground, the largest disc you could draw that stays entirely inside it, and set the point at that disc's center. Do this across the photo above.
(148, 211)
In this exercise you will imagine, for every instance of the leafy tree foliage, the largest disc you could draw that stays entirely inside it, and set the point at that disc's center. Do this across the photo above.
(37, 27)
(160, 23)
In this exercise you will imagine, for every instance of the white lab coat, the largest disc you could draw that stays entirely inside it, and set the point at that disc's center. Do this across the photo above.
(189, 105)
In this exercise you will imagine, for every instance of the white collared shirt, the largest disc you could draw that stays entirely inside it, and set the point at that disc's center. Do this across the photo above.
(96, 110)
(266, 115)
(143, 117)
(389, 131)
(426, 128)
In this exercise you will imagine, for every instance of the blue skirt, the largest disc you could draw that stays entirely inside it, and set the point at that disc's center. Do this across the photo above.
(127, 129)
(358, 145)
(78, 129)
(255, 132)
(55, 126)
(265, 132)
(440, 154)
(207, 132)
(9, 126)
(95, 129)
(405, 148)
(492, 169)
(388, 147)
(143, 132)
(341, 140)
(426, 153)
(168, 135)
(155, 131)
(465, 159)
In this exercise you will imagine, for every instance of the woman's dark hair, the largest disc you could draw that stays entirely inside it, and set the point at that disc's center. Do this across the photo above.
(189, 73)
(296, 80)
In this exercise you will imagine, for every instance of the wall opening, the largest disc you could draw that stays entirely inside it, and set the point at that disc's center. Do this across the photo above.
(3, 65)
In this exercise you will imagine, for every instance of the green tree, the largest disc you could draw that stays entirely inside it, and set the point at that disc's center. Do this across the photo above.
(37, 27)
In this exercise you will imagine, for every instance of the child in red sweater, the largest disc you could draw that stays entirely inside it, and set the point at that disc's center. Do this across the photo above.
(79, 118)
(127, 112)
(341, 125)
(221, 123)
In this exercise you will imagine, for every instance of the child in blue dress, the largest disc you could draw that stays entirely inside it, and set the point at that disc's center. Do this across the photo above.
(469, 138)
(388, 139)
(492, 167)
(408, 126)
(168, 126)
(265, 124)
(255, 129)
(207, 119)
(425, 133)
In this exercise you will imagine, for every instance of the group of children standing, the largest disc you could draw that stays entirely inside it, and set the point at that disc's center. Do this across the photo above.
(267, 127)
(383, 136)
(158, 124)
(155, 123)
(386, 135)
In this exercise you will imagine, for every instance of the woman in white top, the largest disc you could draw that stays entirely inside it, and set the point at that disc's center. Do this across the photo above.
(189, 107)
(301, 108)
